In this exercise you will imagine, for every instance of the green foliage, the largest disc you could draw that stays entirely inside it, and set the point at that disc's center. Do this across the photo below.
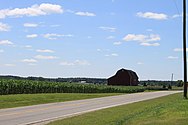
(178, 83)
(74, 80)
(10, 86)
(156, 88)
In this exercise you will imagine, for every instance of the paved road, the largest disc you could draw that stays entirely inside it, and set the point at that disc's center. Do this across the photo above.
(47, 112)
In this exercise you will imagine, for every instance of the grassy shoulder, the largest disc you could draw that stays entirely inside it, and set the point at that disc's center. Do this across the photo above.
(9, 101)
(168, 110)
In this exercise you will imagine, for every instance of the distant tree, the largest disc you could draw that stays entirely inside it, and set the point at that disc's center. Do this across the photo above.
(145, 84)
(179, 83)
(164, 86)
(169, 86)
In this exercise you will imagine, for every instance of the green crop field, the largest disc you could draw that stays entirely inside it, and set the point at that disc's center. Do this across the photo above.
(10, 86)
(168, 110)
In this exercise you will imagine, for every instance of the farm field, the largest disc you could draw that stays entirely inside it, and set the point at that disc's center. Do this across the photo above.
(10, 101)
(166, 110)
(15, 93)
(10, 86)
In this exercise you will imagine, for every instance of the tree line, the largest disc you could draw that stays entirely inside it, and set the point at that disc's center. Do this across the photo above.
(69, 80)
(178, 83)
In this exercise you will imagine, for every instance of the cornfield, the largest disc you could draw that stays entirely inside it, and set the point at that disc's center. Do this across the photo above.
(10, 86)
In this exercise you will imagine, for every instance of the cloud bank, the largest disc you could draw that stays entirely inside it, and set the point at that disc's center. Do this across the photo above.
(34, 10)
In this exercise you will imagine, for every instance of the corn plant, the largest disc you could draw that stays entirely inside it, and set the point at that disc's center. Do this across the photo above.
(10, 86)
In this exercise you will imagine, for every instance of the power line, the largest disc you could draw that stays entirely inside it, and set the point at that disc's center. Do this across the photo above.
(176, 6)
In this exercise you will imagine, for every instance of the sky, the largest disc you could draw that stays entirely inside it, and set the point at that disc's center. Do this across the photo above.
(84, 38)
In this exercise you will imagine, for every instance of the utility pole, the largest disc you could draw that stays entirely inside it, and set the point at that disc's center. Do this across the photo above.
(184, 49)
(172, 77)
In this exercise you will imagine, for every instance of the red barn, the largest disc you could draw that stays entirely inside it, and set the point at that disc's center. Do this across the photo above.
(124, 77)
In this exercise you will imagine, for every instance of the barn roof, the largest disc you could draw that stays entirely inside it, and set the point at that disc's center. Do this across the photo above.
(130, 72)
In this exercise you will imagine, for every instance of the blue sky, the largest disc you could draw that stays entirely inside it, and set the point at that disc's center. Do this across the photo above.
(82, 38)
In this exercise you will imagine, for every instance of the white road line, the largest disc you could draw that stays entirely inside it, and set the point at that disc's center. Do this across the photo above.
(43, 113)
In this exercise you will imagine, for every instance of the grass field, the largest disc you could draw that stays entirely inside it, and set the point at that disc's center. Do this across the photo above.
(168, 110)
(9, 101)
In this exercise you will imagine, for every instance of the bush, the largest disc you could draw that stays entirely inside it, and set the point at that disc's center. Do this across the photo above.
(156, 88)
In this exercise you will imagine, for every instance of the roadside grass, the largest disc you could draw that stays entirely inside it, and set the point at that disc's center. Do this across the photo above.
(10, 101)
(168, 110)
(177, 88)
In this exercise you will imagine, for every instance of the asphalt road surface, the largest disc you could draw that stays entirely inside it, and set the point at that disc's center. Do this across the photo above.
(48, 112)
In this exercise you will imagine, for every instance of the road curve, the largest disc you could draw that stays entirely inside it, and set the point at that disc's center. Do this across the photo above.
(47, 112)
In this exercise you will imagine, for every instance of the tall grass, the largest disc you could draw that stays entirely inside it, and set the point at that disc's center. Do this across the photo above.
(10, 86)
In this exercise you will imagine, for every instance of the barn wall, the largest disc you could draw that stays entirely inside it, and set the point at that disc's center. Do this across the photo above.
(123, 77)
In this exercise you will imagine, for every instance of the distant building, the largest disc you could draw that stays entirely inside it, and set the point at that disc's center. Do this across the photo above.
(82, 81)
(124, 77)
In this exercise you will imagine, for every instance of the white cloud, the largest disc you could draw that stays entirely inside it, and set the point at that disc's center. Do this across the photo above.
(55, 25)
(54, 36)
(143, 39)
(50, 8)
(82, 62)
(35, 10)
(29, 60)
(149, 44)
(76, 62)
(65, 63)
(1, 50)
(45, 51)
(133, 37)
(99, 50)
(5, 42)
(151, 15)
(140, 63)
(85, 14)
(103, 50)
(153, 37)
(45, 57)
(32, 36)
(30, 25)
(176, 16)
(4, 27)
(149, 30)
(110, 29)
(114, 54)
(172, 57)
(117, 43)
(9, 65)
(28, 46)
(180, 49)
